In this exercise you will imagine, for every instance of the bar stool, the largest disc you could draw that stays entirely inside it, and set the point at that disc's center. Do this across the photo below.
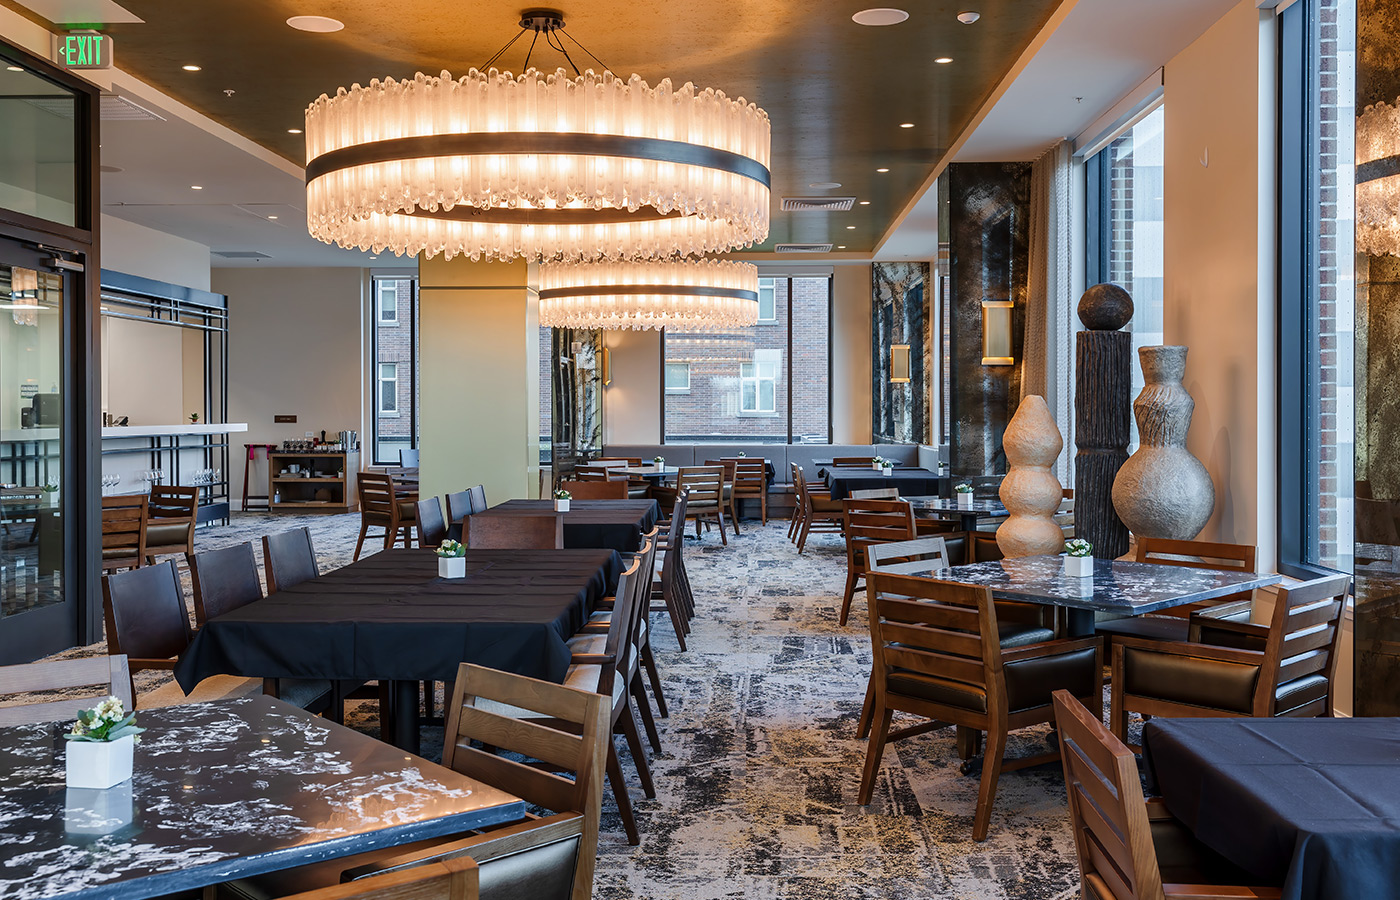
(252, 454)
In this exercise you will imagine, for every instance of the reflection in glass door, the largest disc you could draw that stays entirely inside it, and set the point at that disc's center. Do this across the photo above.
(32, 305)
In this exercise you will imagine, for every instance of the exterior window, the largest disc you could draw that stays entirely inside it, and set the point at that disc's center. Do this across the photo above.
(677, 377)
(389, 303)
(767, 306)
(388, 389)
(758, 384)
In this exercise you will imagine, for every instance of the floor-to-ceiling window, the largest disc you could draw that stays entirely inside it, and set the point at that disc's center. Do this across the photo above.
(395, 374)
(767, 384)
(1317, 282)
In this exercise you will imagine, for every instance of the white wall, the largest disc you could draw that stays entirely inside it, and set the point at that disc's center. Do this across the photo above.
(632, 403)
(143, 369)
(1219, 259)
(137, 250)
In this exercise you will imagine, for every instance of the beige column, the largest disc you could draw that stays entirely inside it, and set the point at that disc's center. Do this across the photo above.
(479, 358)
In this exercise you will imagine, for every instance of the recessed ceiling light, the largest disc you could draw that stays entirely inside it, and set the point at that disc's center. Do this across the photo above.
(865, 203)
(850, 228)
(315, 24)
(13, 69)
(293, 131)
(882, 15)
(272, 217)
(191, 68)
(196, 187)
(882, 170)
(374, 257)
(906, 124)
(967, 18)
(824, 185)
(943, 60)
(840, 246)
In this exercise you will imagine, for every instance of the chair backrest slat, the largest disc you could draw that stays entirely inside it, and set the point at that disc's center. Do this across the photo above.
(938, 628)
(224, 580)
(173, 502)
(479, 498)
(432, 528)
(109, 673)
(124, 524)
(1195, 554)
(926, 553)
(704, 483)
(289, 559)
(888, 493)
(1304, 635)
(376, 494)
(459, 506)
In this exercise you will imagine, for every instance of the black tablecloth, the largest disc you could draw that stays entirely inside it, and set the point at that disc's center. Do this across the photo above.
(1311, 803)
(389, 616)
(605, 524)
(911, 482)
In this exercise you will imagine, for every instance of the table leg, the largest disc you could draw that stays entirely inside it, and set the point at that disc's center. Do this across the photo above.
(967, 521)
(401, 725)
(1080, 623)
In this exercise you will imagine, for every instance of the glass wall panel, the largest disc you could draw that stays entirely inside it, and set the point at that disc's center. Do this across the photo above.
(38, 146)
(395, 368)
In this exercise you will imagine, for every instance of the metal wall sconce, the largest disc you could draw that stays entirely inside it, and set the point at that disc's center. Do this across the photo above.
(606, 372)
(996, 333)
(899, 364)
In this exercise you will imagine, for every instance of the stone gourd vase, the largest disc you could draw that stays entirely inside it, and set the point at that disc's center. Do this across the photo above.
(1030, 491)
(1163, 491)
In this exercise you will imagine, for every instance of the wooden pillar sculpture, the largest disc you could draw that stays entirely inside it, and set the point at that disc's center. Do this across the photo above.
(1030, 491)
(1102, 415)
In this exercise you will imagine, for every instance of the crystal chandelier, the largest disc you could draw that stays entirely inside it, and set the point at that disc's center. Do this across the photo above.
(1378, 180)
(687, 295)
(545, 166)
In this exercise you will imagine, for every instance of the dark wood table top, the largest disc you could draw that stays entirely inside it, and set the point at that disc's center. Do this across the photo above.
(220, 790)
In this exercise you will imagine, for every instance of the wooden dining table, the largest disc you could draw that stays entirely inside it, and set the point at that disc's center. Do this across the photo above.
(221, 790)
(389, 617)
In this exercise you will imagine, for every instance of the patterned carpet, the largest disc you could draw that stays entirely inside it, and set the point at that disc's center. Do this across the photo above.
(759, 770)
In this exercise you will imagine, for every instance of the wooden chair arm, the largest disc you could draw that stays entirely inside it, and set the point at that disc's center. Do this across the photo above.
(481, 847)
(1219, 892)
(1186, 648)
(1157, 810)
(1048, 648)
(595, 628)
(593, 659)
(1245, 629)
(1224, 610)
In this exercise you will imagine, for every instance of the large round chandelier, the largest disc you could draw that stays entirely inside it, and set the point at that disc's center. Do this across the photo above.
(541, 166)
(1378, 180)
(686, 295)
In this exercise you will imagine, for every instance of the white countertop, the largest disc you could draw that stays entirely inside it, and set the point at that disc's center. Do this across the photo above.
(21, 435)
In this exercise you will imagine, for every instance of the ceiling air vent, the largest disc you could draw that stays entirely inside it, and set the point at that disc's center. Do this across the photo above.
(240, 254)
(818, 204)
(111, 107)
(802, 248)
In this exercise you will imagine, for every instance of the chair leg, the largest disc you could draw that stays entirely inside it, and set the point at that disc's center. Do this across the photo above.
(987, 793)
(867, 710)
(969, 741)
(697, 528)
(1117, 715)
(619, 789)
(806, 530)
(628, 721)
(673, 609)
(390, 535)
(734, 515)
(874, 750)
(763, 506)
(719, 520)
(639, 694)
(649, 663)
(359, 544)
(849, 596)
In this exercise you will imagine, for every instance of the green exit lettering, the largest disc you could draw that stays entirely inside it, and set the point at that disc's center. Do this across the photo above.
(85, 51)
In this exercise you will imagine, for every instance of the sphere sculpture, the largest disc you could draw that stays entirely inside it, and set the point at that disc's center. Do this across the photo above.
(1163, 491)
(1030, 491)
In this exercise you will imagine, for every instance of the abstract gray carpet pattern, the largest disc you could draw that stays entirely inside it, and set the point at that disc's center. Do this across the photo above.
(759, 769)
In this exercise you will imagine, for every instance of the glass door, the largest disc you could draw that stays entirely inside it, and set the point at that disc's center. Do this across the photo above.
(37, 611)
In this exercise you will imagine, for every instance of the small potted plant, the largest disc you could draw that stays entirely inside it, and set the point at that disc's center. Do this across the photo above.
(659, 461)
(194, 418)
(964, 495)
(742, 454)
(886, 466)
(452, 559)
(561, 500)
(1079, 558)
(50, 490)
(877, 463)
(100, 745)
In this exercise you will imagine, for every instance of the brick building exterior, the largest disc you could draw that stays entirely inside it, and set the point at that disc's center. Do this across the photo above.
(395, 312)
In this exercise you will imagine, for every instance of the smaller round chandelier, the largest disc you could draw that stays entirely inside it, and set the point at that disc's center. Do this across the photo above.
(1378, 180)
(686, 295)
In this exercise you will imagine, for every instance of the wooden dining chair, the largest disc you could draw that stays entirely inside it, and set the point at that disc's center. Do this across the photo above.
(432, 528)
(1284, 669)
(63, 676)
(595, 490)
(170, 520)
(455, 879)
(938, 654)
(289, 558)
(459, 506)
(705, 485)
(601, 620)
(381, 507)
(638, 486)
(479, 503)
(875, 494)
(1130, 848)
(749, 481)
(819, 512)
(727, 491)
(869, 522)
(144, 611)
(124, 532)
(542, 532)
(224, 580)
(673, 587)
(408, 458)
(1172, 624)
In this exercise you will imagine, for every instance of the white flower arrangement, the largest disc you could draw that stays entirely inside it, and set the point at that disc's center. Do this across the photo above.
(659, 460)
(1079, 548)
(450, 549)
(105, 722)
(879, 462)
(563, 495)
(50, 486)
(742, 453)
(963, 488)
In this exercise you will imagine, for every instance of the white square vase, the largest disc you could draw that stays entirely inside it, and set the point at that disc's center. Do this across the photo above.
(965, 501)
(561, 505)
(887, 470)
(1079, 566)
(452, 567)
(98, 764)
(875, 466)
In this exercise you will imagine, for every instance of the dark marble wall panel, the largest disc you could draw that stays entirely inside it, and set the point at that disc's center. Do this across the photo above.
(1377, 658)
(577, 393)
(900, 315)
(989, 242)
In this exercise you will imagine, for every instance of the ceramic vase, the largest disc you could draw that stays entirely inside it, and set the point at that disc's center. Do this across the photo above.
(1030, 491)
(1163, 491)
(1079, 566)
(965, 500)
(561, 505)
(452, 567)
(98, 764)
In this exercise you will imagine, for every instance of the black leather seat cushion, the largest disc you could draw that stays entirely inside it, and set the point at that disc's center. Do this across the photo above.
(1155, 628)
(1016, 634)
(1029, 683)
(1298, 692)
(166, 535)
(1197, 682)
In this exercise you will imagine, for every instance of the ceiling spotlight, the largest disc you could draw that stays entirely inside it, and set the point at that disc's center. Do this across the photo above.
(882, 170)
(191, 68)
(943, 60)
(272, 217)
(865, 203)
(967, 18)
(315, 24)
(850, 228)
(13, 69)
(840, 246)
(906, 124)
(374, 257)
(880, 16)
(196, 187)
(824, 185)
(293, 131)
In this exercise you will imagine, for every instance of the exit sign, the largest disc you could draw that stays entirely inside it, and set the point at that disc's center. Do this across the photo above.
(83, 50)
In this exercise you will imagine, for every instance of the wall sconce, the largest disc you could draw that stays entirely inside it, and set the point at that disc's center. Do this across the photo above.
(606, 372)
(996, 333)
(899, 364)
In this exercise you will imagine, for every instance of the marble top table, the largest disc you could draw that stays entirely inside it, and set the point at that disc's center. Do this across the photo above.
(948, 508)
(660, 473)
(1125, 588)
(221, 790)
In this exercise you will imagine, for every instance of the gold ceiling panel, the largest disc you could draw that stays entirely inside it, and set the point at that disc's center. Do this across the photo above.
(836, 91)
